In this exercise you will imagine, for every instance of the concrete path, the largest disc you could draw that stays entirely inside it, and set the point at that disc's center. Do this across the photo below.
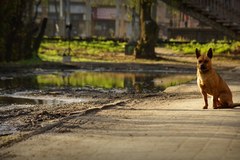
(171, 128)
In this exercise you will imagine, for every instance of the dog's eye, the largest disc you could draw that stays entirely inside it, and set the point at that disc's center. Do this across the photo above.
(200, 61)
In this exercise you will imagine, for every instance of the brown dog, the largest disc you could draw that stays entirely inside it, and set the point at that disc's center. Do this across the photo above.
(210, 83)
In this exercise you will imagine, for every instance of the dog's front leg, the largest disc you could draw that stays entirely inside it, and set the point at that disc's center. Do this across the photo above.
(215, 102)
(205, 100)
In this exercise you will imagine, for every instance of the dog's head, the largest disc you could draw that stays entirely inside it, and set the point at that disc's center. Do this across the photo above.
(204, 63)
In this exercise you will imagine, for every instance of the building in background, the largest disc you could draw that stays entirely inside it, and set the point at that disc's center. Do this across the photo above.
(118, 20)
(88, 19)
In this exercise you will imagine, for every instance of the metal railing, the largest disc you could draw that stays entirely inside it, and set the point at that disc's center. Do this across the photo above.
(226, 11)
(222, 15)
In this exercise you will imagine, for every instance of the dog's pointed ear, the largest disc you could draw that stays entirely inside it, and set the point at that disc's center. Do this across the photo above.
(198, 54)
(210, 54)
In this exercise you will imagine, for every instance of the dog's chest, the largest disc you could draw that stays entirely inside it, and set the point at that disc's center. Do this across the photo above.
(207, 83)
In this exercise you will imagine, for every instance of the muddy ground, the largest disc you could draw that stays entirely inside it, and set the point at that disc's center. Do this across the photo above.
(25, 121)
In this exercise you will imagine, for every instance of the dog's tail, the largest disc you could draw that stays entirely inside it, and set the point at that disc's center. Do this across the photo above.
(235, 105)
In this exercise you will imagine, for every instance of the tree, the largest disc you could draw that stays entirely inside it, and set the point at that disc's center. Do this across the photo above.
(17, 29)
(148, 32)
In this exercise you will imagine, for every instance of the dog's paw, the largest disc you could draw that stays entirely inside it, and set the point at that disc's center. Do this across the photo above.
(216, 107)
(205, 107)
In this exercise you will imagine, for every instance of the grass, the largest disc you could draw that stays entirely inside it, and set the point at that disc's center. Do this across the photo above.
(109, 51)
(54, 51)
(87, 51)
(219, 47)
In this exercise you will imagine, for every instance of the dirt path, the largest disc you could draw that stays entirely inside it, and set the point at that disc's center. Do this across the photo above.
(169, 125)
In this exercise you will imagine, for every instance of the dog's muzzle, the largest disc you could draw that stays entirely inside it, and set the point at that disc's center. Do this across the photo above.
(203, 68)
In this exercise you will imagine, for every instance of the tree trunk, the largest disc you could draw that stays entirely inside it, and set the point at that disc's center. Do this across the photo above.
(16, 30)
(39, 37)
(149, 32)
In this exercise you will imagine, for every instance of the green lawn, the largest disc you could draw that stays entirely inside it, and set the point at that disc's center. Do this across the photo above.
(80, 50)
(219, 47)
(110, 51)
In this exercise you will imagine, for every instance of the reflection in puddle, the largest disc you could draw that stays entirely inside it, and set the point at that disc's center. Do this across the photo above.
(129, 82)
(147, 82)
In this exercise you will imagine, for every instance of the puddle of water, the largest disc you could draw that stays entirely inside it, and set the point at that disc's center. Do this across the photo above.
(104, 80)
(7, 129)
(129, 82)
(29, 101)
(23, 100)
